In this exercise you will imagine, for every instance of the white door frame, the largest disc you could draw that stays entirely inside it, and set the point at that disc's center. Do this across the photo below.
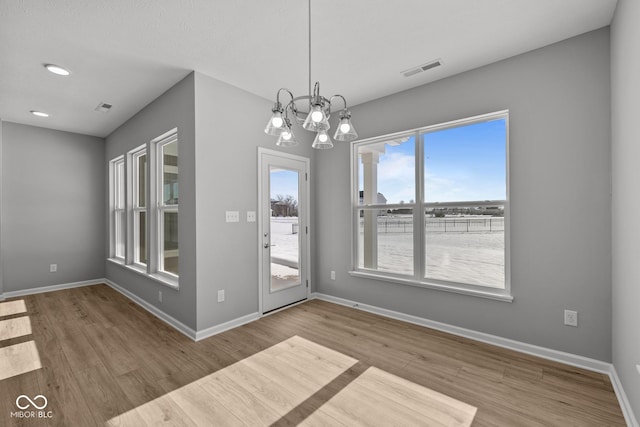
(305, 207)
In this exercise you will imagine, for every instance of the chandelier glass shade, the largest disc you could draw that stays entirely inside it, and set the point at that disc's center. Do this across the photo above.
(313, 116)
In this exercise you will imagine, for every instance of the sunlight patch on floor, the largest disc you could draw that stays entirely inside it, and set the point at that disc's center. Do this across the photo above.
(19, 358)
(16, 327)
(258, 390)
(265, 387)
(12, 307)
(379, 398)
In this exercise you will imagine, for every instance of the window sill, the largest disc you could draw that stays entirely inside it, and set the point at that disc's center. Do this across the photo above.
(498, 295)
(157, 277)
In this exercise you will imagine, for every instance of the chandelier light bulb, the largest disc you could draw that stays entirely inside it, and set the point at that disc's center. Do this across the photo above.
(277, 121)
(316, 116)
(322, 137)
(345, 127)
(286, 135)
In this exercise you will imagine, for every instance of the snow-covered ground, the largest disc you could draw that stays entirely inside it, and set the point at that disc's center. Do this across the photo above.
(474, 257)
(284, 252)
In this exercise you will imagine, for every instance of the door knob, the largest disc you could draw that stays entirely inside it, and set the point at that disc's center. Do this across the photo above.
(267, 246)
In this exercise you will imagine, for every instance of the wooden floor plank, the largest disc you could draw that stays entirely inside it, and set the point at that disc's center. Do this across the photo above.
(106, 361)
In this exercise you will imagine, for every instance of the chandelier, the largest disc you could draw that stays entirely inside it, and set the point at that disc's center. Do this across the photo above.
(314, 116)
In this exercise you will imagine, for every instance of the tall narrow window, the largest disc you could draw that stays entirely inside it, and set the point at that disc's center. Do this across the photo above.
(118, 213)
(139, 160)
(167, 164)
(431, 206)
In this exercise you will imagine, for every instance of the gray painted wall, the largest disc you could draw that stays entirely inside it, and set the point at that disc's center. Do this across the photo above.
(625, 87)
(229, 130)
(53, 208)
(175, 108)
(559, 99)
(1, 222)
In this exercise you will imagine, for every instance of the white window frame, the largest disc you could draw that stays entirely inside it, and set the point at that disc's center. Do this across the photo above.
(154, 209)
(419, 250)
(158, 145)
(117, 192)
(135, 209)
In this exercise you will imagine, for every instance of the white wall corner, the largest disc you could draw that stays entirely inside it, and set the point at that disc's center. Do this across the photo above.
(625, 405)
(171, 321)
(216, 329)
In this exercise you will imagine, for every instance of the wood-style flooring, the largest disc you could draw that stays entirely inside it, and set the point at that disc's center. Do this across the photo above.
(103, 359)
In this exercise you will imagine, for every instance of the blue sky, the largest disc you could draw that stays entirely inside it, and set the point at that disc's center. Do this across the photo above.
(284, 182)
(461, 164)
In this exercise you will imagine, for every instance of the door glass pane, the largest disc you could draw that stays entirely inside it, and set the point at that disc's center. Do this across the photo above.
(170, 173)
(285, 236)
(170, 243)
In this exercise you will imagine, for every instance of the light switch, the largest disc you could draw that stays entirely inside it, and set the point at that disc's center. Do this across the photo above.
(233, 216)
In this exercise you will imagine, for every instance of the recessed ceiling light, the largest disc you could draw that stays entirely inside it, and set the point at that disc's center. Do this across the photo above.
(56, 69)
(39, 113)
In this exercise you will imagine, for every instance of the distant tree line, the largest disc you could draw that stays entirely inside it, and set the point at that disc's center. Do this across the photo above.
(284, 206)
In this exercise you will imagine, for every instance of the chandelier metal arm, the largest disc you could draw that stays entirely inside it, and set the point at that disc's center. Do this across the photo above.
(341, 97)
(278, 106)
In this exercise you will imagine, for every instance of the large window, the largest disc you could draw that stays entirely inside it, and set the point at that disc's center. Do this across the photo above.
(431, 206)
(117, 212)
(144, 220)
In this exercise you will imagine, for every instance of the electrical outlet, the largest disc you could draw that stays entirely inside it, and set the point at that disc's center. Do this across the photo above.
(333, 275)
(221, 295)
(571, 318)
(53, 268)
(159, 296)
(251, 216)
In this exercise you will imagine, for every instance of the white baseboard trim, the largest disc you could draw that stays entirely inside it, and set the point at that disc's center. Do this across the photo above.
(214, 330)
(51, 288)
(171, 321)
(627, 411)
(178, 325)
(534, 350)
(546, 353)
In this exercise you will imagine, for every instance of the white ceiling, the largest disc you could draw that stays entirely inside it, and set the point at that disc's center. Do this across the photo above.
(128, 52)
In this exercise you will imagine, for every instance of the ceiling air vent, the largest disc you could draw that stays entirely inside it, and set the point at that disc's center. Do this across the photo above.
(421, 68)
(103, 107)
